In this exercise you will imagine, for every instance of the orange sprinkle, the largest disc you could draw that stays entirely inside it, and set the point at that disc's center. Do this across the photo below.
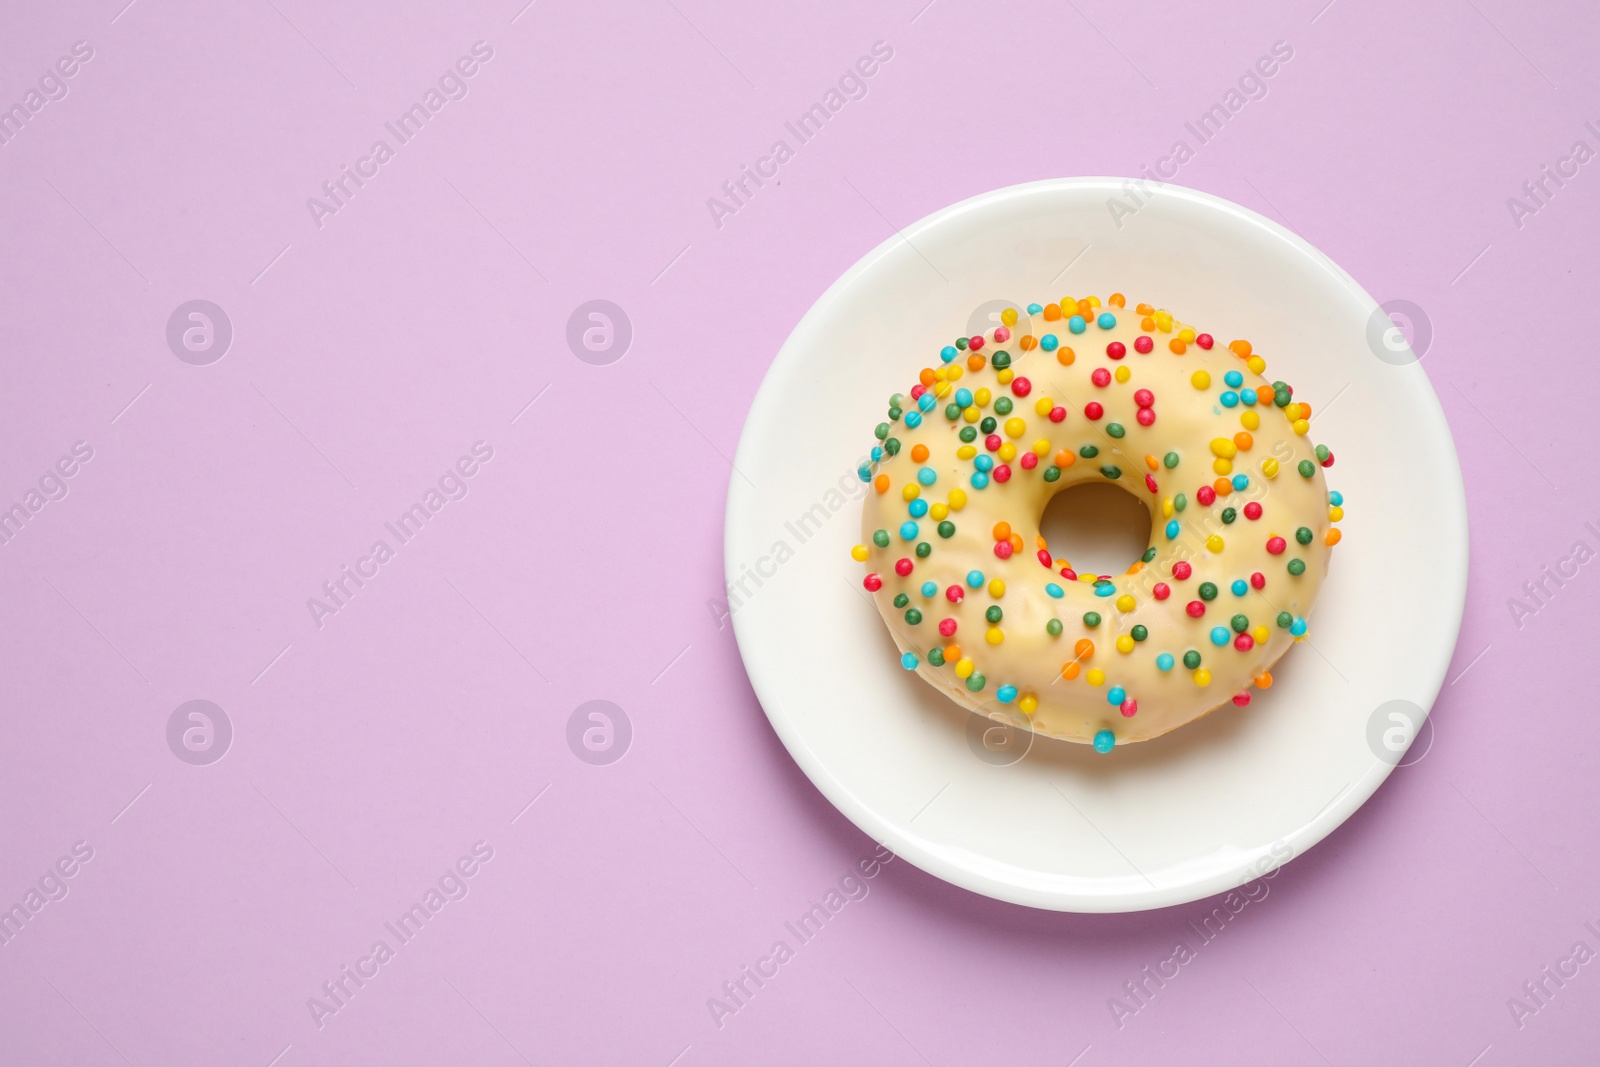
(1002, 531)
(1305, 410)
(1243, 441)
(1145, 309)
(1065, 458)
(1264, 680)
(1084, 648)
(1333, 537)
(1138, 565)
(1070, 671)
(1065, 356)
(1240, 348)
(952, 653)
(975, 362)
(1117, 300)
(1223, 486)
(1028, 342)
(1152, 462)
(919, 453)
(1085, 308)
(1040, 544)
(881, 483)
(926, 377)
(1147, 324)
(1052, 312)
(1016, 542)
(1177, 345)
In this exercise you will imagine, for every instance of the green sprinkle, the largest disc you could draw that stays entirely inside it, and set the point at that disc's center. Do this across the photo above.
(1149, 554)
(969, 434)
(1002, 406)
(892, 446)
(1322, 453)
(1088, 451)
(1307, 468)
(961, 343)
(1180, 502)
(952, 411)
(1240, 623)
(1001, 361)
(1208, 591)
(1297, 567)
(1285, 620)
(994, 614)
(975, 683)
(936, 656)
(924, 550)
(1139, 633)
(1304, 535)
(1191, 659)
(1053, 627)
(894, 414)
(947, 529)
(988, 424)
(1111, 472)
(913, 616)
(1229, 514)
(901, 600)
(881, 430)
(880, 538)
(1091, 619)
(1170, 459)
(1115, 429)
(1052, 474)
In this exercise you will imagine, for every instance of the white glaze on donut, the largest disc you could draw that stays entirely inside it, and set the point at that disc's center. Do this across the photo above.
(1063, 694)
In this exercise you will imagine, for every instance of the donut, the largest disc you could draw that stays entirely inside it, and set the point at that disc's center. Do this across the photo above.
(960, 473)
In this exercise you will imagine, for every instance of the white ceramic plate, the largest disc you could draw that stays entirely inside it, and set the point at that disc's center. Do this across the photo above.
(1032, 820)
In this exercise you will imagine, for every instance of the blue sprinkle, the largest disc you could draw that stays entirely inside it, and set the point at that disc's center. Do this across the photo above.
(974, 578)
(913, 419)
(1035, 309)
(1054, 590)
(1172, 529)
(1116, 695)
(1336, 498)
(1104, 741)
(864, 472)
(1076, 324)
(1240, 587)
(1219, 635)
(1240, 482)
(1230, 399)
(926, 401)
(1247, 397)
(1006, 694)
(964, 397)
(1233, 378)
(979, 480)
(1164, 661)
(908, 531)
(930, 588)
(1298, 627)
(1049, 342)
(1106, 320)
(877, 454)
(948, 352)
(927, 476)
(909, 661)
(918, 508)
(1105, 589)
(984, 463)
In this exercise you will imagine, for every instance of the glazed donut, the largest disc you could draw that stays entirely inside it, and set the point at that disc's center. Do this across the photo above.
(1074, 392)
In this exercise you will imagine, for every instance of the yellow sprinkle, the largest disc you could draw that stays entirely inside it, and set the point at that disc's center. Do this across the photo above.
(1015, 427)
(1086, 578)
(953, 371)
(859, 553)
(1028, 704)
(1302, 427)
(1126, 602)
(966, 451)
(971, 414)
(958, 499)
(941, 389)
(1214, 542)
(1123, 374)
(981, 398)
(994, 635)
(1250, 420)
(1261, 634)
(1200, 379)
(1269, 468)
(1007, 452)
(964, 668)
(1009, 316)
(1256, 364)
(1202, 677)
(1335, 513)
(1224, 447)
(1186, 335)
(911, 491)
(1004, 377)
(1095, 676)
(1125, 644)
(1043, 406)
(1094, 301)
(1163, 321)
(997, 588)
(1041, 447)
(1222, 466)
(939, 511)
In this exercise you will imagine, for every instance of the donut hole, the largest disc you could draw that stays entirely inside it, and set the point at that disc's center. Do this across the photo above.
(1099, 527)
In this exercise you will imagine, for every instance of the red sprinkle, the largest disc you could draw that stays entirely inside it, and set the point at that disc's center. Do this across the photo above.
(1144, 398)
(1130, 708)
(1204, 341)
(954, 594)
(1044, 557)
(902, 567)
(1252, 511)
(1195, 608)
(1161, 591)
(1146, 416)
(1092, 411)
(1244, 642)
(1021, 386)
(1258, 580)
(873, 583)
(1149, 481)
(1206, 495)
(947, 627)
(992, 442)
(1029, 461)
(1142, 343)
(1069, 574)
(1276, 545)
(975, 343)
(1243, 700)
(1003, 549)
(917, 390)
(1002, 473)
(1116, 349)
(1182, 570)
(1058, 414)
(1001, 334)
(1101, 377)
(1329, 461)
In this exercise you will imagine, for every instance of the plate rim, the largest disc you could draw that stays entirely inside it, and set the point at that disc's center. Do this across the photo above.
(890, 833)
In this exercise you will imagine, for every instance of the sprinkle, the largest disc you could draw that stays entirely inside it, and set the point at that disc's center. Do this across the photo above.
(1116, 695)
(1106, 320)
(1220, 635)
(1054, 590)
(1006, 694)
(1104, 741)
(1077, 324)
(873, 583)
(1164, 662)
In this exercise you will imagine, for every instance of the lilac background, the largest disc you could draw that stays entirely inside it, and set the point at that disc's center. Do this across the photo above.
(369, 354)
